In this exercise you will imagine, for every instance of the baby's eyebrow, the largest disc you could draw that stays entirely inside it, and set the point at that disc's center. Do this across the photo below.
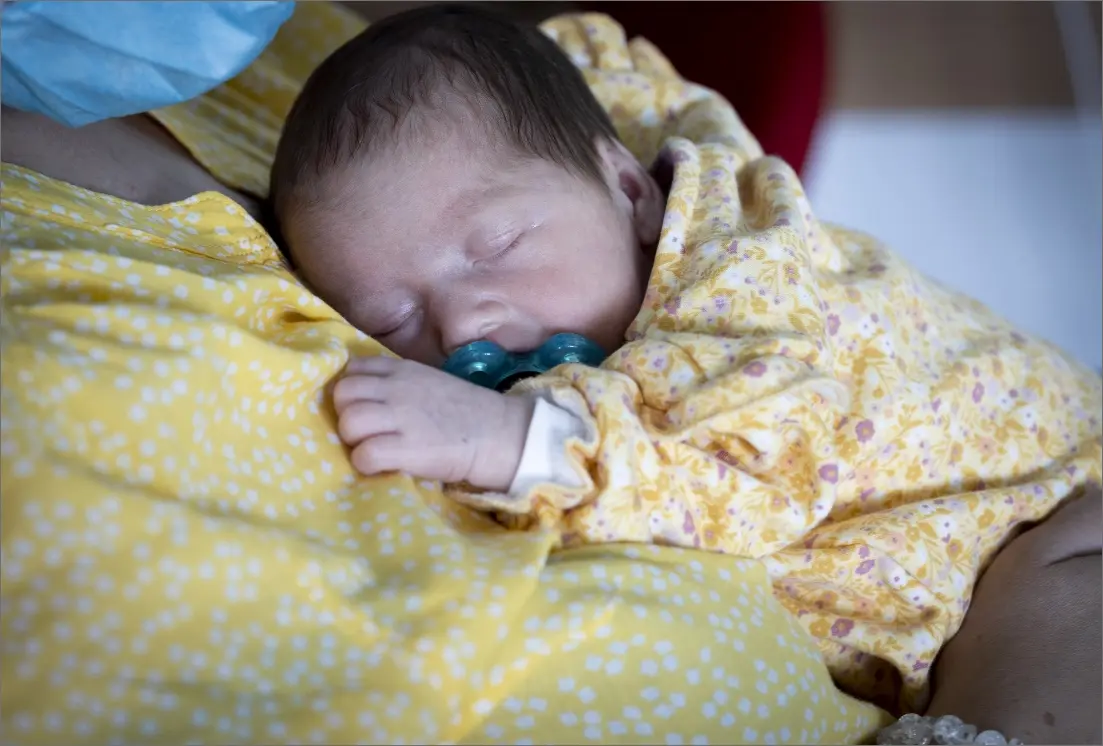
(483, 192)
(467, 207)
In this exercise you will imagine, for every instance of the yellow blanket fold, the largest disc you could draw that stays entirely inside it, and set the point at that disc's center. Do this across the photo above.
(795, 392)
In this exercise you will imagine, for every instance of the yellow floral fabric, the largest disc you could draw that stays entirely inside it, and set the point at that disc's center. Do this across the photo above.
(188, 557)
(795, 392)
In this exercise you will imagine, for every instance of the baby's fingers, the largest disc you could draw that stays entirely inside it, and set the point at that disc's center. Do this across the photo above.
(382, 453)
(399, 452)
(365, 419)
(377, 365)
(354, 388)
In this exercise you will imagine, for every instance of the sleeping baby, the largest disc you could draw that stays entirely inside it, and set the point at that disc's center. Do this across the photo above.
(448, 177)
(775, 388)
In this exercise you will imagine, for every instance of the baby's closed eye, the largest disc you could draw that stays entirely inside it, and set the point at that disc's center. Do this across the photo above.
(390, 325)
(499, 247)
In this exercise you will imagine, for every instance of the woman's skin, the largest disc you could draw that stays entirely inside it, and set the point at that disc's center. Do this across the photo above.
(134, 158)
(1026, 661)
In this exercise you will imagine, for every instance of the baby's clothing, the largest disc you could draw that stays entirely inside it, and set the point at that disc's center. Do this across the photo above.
(545, 459)
(795, 392)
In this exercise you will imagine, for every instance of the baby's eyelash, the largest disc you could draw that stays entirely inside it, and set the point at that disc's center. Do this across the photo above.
(510, 247)
(397, 326)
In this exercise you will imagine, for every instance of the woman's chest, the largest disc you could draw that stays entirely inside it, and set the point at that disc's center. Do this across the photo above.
(133, 158)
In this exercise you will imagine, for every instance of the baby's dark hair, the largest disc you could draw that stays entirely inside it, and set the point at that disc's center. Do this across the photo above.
(536, 100)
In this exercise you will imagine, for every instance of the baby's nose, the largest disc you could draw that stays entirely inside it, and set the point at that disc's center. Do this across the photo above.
(463, 321)
(490, 320)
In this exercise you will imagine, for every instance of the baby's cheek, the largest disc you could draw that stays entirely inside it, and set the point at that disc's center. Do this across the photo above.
(592, 287)
(605, 311)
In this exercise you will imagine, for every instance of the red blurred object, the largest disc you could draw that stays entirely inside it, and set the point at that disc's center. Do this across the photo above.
(767, 58)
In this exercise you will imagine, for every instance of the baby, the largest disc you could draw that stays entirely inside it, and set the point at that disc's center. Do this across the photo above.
(775, 388)
(448, 177)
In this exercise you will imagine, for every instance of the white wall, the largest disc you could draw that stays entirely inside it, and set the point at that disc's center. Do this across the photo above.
(1006, 207)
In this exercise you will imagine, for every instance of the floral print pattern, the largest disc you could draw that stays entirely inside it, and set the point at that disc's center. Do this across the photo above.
(795, 392)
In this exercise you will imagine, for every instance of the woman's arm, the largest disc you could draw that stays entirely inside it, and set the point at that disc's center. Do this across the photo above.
(1026, 661)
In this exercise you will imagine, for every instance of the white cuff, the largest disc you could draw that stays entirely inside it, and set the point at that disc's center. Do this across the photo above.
(544, 459)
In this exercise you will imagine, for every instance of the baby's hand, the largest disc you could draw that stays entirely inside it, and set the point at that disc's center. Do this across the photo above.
(398, 415)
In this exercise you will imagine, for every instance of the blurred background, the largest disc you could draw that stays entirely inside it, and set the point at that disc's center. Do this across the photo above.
(968, 135)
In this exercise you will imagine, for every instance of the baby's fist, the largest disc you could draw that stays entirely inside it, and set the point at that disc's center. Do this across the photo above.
(398, 415)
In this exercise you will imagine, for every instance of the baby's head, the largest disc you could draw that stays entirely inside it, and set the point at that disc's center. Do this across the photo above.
(447, 176)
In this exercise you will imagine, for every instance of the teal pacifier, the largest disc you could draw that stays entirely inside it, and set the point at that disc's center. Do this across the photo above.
(486, 364)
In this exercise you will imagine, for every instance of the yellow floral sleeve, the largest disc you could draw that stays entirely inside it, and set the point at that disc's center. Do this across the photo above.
(795, 392)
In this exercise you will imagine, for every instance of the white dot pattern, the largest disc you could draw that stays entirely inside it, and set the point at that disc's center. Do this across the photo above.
(188, 556)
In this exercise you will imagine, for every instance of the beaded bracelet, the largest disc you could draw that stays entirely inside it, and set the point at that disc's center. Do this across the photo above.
(920, 729)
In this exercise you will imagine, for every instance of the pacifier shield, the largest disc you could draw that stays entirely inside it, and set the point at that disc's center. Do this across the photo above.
(486, 364)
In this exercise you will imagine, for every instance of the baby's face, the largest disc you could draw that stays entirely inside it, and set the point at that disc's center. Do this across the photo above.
(432, 247)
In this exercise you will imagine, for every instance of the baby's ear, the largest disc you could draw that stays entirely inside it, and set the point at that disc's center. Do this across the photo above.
(634, 189)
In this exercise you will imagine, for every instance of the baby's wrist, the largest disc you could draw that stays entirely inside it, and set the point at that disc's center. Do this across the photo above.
(499, 458)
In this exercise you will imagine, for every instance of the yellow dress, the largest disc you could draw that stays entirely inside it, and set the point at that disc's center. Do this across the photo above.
(188, 557)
